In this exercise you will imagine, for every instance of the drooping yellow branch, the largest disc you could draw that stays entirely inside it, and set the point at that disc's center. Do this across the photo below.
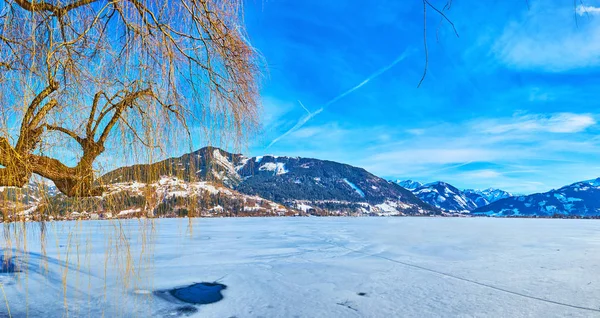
(119, 65)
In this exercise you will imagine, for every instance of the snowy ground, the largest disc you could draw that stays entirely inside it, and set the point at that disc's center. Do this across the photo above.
(310, 267)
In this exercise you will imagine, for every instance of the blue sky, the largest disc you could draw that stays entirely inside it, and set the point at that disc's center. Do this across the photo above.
(510, 103)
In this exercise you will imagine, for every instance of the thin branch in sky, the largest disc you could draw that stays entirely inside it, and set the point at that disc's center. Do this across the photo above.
(424, 43)
(443, 16)
(446, 7)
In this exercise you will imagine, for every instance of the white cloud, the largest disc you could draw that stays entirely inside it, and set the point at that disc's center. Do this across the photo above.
(482, 174)
(439, 155)
(547, 38)
(273, 111)
(554, 123)
(584, 10)
(416, 131)
(515, 151)
(330, 130)
(538, 95)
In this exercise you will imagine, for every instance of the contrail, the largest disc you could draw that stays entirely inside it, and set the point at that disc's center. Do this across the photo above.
(303, 120)
(306, 109)
(452, 167)
(299, 124)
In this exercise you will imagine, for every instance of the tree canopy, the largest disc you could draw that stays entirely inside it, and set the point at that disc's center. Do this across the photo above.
(100, 70)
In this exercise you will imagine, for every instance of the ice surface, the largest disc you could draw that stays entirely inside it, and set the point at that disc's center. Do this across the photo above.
(308, 267)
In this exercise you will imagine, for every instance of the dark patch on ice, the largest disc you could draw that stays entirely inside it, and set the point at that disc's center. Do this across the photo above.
(197, 294)
(7, 265)
(187, 310)
(182, 311)
(361, 294)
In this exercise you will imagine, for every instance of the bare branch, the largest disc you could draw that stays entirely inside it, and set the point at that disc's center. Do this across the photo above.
(41, 114)
(120, 107)
(106, 55)
(66, 131)
(35, 6)
(88, 127)
(31, 110)
(424, 43)
(443, 16)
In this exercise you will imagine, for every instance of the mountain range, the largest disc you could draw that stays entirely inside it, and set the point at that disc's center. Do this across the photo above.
(448, 198)
(580, 199)
(577, 199)
(213, 182)
(409, 184)
(304, 184)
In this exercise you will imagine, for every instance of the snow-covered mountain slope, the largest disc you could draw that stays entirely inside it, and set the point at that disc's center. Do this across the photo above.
(450, 198)
(296, 182)
(487, 196)
(445, 197)
(17, 203)
(409, 184)
(326, 185)
(168, 196)
(577, 199)
(206, 164)
(477, 198)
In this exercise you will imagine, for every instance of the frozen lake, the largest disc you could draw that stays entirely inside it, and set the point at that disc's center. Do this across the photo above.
(305, 267)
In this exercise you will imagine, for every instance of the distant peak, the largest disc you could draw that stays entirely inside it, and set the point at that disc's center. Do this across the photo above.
(409, 184)
(594, 182)
(211, 150)
(441, 183)
(207, 149)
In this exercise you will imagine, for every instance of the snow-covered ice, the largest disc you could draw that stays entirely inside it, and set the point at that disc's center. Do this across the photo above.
(308, 267)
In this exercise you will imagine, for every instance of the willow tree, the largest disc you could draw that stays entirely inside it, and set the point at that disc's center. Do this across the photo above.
(97, 71)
